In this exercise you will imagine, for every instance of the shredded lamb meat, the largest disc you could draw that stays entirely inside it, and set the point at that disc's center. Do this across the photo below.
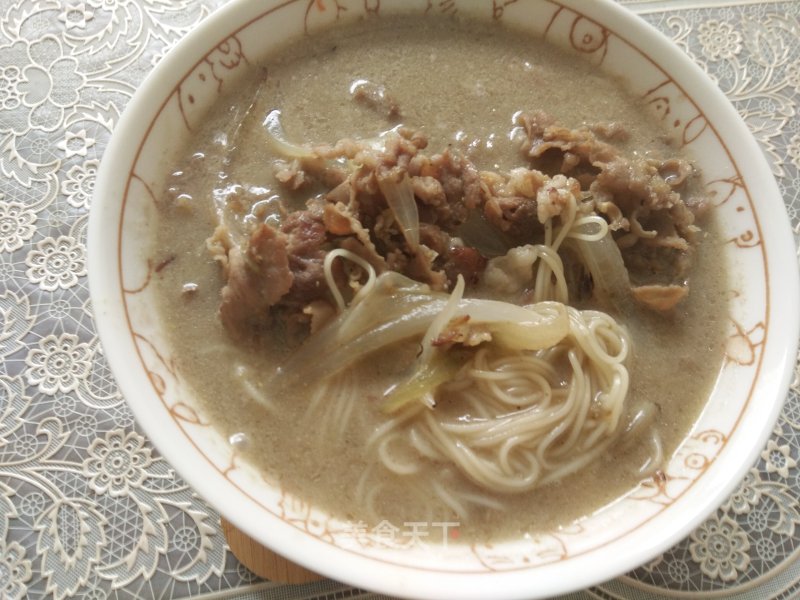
(282, 268)
(258, 276)
(376, 97)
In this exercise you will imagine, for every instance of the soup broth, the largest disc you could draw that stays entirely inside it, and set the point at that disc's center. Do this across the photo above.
(462, 85)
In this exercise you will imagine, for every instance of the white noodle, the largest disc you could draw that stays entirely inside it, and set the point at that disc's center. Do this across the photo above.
(511, 420)
(352, 257)
(393, 463)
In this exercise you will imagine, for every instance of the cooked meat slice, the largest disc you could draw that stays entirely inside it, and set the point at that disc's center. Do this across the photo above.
(462, 260)
(375, 97)
(258, 276)
(510, 201)
(660, 297)
(543, 134)
(305, 246)
(613, 131)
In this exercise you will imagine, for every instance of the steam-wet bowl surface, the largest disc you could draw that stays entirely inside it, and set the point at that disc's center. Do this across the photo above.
(762, 332)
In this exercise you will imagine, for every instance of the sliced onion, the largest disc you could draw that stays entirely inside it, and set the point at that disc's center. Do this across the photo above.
(398, 308)
(609, 275)
(276, 138)
(400, 198)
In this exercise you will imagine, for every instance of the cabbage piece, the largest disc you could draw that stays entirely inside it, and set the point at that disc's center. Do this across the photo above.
(423, 382)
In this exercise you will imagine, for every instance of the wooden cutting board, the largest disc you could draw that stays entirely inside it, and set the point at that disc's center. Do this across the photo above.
(262, 561)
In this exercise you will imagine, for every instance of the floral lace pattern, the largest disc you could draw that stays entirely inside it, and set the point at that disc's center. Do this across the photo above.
(56, 263)
(719, 40)
(117, 463)
(58, 364)
(88, 509)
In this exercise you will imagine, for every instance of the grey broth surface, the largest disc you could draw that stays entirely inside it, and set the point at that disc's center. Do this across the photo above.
(461, 84)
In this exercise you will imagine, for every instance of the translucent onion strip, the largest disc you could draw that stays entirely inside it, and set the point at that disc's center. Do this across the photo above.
(276, 138)
(399, 196)
(396, 308)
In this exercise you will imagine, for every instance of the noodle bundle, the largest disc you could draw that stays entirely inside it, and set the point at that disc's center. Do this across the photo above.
(510, 396)
(534, 417)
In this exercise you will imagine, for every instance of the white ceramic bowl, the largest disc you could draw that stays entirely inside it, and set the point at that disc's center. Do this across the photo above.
(714, 458)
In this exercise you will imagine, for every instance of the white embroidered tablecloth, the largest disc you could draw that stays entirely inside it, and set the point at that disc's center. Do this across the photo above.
(87, 507)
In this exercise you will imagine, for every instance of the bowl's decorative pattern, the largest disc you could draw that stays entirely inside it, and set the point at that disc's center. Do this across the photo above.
(227, 60)
(224, 63)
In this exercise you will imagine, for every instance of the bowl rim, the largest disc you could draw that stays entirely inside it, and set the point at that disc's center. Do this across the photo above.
(312, 553)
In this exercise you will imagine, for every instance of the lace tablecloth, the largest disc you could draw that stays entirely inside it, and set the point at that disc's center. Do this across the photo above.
(87, 507)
